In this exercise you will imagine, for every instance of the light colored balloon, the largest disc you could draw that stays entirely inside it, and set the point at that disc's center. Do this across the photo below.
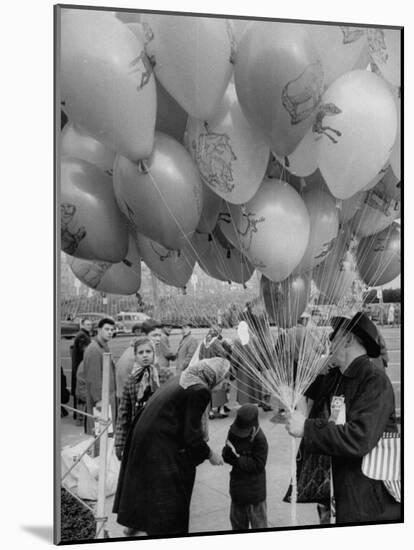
(381, 206)
(279, 82)
(384, 46)
(172, 267)
(212, 206)
(334, 276)
(304, 159)
(231, 155)
(355, 128)
(273, 229)
(395, 158)
(379, 256)
(78, 144)
(92, 227)
(287, 300)
(128, 17)
(163, 197)
(193, 59)
(341, 49)
(107, 83)
(324, 226)
(112, 278)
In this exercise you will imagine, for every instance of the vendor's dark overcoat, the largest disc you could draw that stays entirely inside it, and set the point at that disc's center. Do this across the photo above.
(159, 464)
(370, 411)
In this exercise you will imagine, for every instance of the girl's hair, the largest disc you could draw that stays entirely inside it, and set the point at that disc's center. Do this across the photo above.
(140, 341)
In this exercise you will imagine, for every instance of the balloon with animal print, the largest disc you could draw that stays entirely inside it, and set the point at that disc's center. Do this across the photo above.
(113, 278)
(355, 128)
(107, 83)
(172, 267)
(92, 226)
(230, 153)
(279, 82)
(273, 229)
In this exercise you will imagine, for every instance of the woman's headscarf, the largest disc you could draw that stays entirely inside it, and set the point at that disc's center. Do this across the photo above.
(150, 375)
(208, 371)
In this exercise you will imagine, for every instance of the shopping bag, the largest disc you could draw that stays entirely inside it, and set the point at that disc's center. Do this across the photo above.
(383, 463)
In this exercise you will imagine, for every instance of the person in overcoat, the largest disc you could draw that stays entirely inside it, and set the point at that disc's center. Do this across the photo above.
(93, 366)
(164, 447)
(365, 410)
(80, 343)
(186, 348)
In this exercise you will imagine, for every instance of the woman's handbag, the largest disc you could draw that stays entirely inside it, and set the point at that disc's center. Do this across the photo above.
(313, 477)
(383, 463)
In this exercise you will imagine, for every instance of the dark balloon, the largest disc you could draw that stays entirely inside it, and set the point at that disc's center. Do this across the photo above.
(287, 300)
(92, 226)
(379, 256)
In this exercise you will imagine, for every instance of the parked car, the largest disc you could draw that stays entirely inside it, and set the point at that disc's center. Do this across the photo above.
(69, 329)
(129, 321)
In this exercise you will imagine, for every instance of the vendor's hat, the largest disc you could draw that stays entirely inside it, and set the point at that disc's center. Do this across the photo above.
(361, 326)
(247, 418)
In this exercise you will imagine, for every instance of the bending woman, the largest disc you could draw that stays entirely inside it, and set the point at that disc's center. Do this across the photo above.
(166, 445)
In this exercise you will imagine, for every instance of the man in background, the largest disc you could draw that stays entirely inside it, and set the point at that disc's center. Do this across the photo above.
(186, 348)
(81, 342)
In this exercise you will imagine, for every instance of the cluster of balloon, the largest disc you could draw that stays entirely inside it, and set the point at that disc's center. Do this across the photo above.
(231, 155)
(380, 207)
(92, 227)
(220, 259)
(193, 59)
(107, 82)
(161, 197)
(379, 256)
(287, 300)
(335, 275)
(172, 267)
(341, 49)
(279, 82)
(324, 226)
(273, 229)
(355, 126)
(75, 142)
(116, 278)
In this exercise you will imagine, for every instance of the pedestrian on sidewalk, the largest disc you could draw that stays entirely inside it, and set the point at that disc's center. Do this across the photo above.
(165, 446)
(142, 382)
(246, 451)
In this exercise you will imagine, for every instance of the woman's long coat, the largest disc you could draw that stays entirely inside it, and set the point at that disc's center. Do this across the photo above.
(161, 455)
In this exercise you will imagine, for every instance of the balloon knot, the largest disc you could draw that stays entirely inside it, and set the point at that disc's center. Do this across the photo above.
(142, 167)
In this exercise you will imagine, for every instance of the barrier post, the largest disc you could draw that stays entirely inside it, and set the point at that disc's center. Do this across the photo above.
(100, 505)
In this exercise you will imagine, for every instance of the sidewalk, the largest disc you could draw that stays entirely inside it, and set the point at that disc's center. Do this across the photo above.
(210, 503)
